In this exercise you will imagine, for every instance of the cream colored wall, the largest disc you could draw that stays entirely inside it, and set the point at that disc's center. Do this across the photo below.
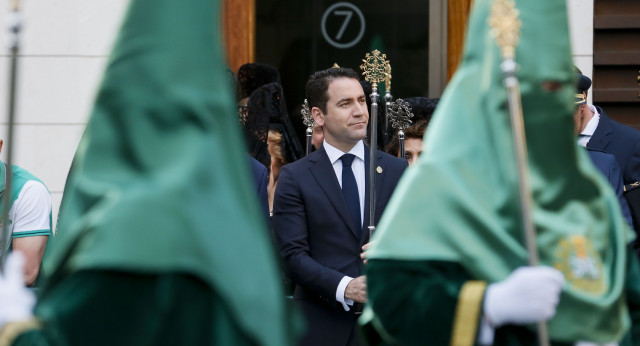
(581, 31)
(65, 44)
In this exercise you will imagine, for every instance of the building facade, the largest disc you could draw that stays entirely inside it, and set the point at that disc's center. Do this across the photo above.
(65, 47)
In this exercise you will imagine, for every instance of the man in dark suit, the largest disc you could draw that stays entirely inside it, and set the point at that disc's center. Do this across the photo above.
(259, 174)
(607, 165)
(321, 210)
(598, 131)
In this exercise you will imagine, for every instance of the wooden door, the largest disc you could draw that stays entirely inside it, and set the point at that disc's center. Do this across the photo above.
(238, 21)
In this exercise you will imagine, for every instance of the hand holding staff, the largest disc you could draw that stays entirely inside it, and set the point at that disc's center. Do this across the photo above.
(506, 30)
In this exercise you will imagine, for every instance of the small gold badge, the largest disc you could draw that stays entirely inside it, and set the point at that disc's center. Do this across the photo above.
(379, 169)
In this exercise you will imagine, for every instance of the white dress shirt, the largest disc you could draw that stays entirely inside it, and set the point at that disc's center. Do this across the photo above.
(358, 171)
(591, 127)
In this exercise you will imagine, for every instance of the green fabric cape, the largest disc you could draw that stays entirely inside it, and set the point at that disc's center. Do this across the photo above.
(160, 181)
(461, 202)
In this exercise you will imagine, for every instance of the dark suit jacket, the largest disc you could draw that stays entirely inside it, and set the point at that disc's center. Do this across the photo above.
(318, 242)
(607, 165)
(259, 174)
(621, 141)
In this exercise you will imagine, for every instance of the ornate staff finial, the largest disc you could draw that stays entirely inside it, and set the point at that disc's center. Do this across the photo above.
(400, 114)
(307, 117)
(374, 67)
(505, 26)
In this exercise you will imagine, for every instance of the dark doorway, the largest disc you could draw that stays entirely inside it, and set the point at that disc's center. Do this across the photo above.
(290, 37)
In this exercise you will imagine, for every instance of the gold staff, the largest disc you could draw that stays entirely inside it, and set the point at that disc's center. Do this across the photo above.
(505, 26)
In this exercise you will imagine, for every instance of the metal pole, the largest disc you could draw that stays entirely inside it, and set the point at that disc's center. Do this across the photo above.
(376, 68)
(520, 145)
(506, 25)
(372, 157)
(309, 133)
(14, 47)
(388, 98)
(401, 140)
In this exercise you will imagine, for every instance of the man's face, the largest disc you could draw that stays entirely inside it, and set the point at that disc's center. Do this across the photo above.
(345, 122)
(412, 149)
(579, 119)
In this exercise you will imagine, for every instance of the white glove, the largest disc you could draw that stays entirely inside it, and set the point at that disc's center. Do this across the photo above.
(528, 295)
(16, 301)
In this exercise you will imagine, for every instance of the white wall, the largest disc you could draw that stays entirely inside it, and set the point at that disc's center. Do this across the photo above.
(581, 31)
(65, 45)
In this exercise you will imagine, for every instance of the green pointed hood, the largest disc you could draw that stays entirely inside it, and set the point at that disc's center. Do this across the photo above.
(160, 180)
(461, 202)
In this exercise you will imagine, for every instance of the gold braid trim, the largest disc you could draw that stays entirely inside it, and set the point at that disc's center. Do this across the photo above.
(469, 307)
(13, 329)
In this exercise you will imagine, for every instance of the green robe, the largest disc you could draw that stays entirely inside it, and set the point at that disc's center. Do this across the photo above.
(160, 239)
(101, 307)
(461, 205)
(416, 302)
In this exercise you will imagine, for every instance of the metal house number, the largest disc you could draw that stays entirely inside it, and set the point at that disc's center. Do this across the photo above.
(345, 10)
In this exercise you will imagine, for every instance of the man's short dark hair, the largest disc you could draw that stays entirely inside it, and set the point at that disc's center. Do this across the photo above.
(318, 85)
(414, 131)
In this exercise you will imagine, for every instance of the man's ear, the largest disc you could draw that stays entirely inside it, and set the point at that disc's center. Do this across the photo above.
(318, 116)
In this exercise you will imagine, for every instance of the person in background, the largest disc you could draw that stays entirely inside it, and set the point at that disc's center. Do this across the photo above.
(598, 131)
(29, 219)
(260, 178)
(412, 142)
(422, 109)
(274, 143)
(317, 137)
(267, 103)
(604, 162)
(250, 77)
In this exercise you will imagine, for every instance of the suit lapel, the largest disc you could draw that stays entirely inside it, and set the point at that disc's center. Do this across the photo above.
(322, 171)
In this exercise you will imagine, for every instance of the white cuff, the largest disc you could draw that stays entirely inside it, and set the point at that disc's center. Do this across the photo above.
(342, 286)
(486, 334)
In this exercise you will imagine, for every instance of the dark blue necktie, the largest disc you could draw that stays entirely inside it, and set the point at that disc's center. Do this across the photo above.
(350, 189)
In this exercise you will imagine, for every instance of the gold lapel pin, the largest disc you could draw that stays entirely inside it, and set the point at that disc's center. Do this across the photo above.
(379, 169)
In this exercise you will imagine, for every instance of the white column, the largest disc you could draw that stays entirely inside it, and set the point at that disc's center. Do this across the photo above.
(581, 32)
